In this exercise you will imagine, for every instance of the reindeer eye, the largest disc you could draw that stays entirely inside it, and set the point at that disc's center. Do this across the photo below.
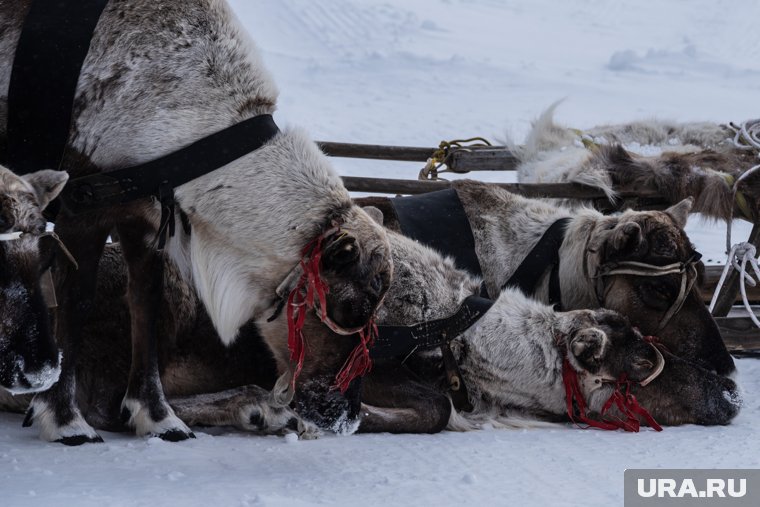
(377, 283)
(656, 294)
(660, 292)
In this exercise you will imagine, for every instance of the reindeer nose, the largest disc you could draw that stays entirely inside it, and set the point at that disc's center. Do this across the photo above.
(7, 221)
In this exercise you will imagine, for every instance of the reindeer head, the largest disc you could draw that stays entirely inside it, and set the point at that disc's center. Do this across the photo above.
(686, 393)
(355, 265)
(603, 343)
(646, 268)
(29, 357)
(673, 390)
(354, 268)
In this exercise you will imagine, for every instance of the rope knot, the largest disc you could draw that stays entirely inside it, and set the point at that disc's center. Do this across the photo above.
(739, 256)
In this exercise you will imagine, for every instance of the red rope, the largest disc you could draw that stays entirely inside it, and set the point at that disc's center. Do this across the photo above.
(359, 362)
(309, 291)
(300, 301)
(626, 403)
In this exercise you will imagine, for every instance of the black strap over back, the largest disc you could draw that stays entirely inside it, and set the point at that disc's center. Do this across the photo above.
(52, 47)
(199, 158)
(544, 255)
(437, 219)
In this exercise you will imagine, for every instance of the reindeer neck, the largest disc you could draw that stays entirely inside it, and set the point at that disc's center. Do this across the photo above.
(577, 286)
(511, 359)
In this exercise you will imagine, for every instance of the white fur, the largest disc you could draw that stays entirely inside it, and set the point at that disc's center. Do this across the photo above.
(143, 424)
(245, 241)
(50, 431)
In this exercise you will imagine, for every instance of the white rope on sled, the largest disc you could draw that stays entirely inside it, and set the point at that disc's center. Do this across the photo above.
(747, 135)
(741, 254)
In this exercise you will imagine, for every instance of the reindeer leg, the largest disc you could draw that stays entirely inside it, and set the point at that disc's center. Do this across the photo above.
(394, 400)
(249, 408)
(144, 407)
(56, 410)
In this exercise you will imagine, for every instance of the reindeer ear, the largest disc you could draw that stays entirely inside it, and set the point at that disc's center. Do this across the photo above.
(680, 212)
(626, 236)
(375, 214)
(341, 252)
(588, 347)
(47, 184)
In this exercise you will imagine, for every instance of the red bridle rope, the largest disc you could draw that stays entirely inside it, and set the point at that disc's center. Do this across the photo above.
(310, 292)
(621, 397)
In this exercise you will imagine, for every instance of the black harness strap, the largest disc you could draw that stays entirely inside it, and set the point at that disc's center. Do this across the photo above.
(170, 171)
(437, 219)
(52, 47)
(402, 341)
(544, 255)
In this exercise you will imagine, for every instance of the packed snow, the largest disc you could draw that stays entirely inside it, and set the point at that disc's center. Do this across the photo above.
(415, 72)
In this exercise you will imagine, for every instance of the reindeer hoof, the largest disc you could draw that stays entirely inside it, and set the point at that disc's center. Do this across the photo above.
(170, 428)
(75, 432)
(176, 435)
(270, 420)
(80, 439)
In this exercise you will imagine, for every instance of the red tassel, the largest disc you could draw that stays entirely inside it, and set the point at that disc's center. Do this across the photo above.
(359, 362)
(626, 403)
(309, 290)
(301, 300)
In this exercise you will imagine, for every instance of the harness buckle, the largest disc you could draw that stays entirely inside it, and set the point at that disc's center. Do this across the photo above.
(166, 228)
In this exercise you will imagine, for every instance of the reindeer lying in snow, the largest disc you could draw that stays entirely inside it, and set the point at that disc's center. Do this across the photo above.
(158, 77)
(511, 360)
(639, 263)
(678, 159)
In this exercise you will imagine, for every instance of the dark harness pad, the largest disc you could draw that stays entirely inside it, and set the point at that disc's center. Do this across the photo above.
(437, 219)
(54, 42)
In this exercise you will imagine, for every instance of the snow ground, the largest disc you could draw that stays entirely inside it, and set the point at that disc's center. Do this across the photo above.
(415, 72)
(542, 467)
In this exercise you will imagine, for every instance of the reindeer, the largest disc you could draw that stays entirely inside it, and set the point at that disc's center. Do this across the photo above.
(697, 159)
(29, 357)
(638, 263)
(511, 359)
(158, 76)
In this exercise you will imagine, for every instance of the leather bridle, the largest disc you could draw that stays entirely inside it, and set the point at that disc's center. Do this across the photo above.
(687, 270)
